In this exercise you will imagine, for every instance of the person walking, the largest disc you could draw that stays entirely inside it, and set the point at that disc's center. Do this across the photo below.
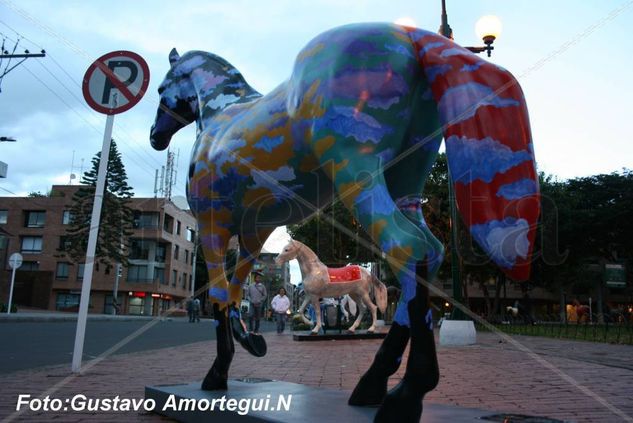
(189, 307)
(196, 310)
(256, 294)
(280, 305)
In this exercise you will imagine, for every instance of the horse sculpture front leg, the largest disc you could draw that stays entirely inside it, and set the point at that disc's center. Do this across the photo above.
(214, 241)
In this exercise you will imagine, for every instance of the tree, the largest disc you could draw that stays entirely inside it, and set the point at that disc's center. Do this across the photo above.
(333, 246)
(117, 217)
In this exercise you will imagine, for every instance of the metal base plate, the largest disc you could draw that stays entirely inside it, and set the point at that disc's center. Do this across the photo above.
(307, 404)
(332, 336)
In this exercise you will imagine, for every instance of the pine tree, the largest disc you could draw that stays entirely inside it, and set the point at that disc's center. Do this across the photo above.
(117, 217)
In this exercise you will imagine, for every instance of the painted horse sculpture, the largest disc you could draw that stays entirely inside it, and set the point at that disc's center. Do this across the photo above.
(320, 281)
(362, 116)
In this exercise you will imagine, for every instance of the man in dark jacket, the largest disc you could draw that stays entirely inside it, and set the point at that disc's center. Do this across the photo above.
(256, 294)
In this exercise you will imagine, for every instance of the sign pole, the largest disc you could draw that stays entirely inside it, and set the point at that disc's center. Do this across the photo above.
(15, 262)
(11, 290)
(92, 245)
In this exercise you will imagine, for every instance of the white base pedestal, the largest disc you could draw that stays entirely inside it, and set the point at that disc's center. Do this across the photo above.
(457, 333)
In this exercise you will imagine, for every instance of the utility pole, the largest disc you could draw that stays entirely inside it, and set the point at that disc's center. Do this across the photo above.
(5, 54)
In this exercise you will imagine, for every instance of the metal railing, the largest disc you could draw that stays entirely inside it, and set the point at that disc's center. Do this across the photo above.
(608, 328)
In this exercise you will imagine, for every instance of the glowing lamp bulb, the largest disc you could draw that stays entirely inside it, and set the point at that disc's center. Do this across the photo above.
(488, 26)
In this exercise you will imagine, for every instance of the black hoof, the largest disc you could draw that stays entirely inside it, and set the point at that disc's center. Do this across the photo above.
(254, 344)
(402, 404)
(214, 381)
(370, 391)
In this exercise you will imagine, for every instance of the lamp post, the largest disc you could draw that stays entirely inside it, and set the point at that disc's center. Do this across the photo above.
(488, 29)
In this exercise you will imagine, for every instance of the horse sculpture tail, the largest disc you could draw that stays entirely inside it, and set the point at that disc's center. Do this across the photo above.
(380, 292)
(485, 124)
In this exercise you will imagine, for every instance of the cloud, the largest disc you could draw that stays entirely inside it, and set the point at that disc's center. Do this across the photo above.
(461, 102)
(503, 240)
(519, 189)
(470, 159)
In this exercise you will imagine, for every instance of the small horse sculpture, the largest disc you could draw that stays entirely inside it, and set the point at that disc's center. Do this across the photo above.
(320, 281)
(362, 116)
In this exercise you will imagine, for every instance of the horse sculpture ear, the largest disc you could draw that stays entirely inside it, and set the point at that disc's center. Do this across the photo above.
(173, 56)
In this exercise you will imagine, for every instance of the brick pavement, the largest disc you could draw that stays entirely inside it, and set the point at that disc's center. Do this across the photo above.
(490, 375)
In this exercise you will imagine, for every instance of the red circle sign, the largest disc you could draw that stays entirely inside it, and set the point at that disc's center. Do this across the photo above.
(121, 72)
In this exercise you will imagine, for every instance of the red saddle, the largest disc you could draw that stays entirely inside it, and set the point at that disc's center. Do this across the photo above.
(344, 274)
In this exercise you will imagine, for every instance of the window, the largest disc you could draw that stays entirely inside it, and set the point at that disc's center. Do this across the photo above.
(67, 302)
(139, 250)
(186, 256)
(159, 275)
(30, 266)
(136, 305)
(168, 223)
(137, 273)
(62, 271)
(4, 214)
(190, 281)
(178, 227)
(146, 219)
(176, 252)
(64, 243)
(31, 244)
(161, 252)
(66, 217)
(80, 271)
(174, 277)
(183, 280)
(34, 219)
(191, 234)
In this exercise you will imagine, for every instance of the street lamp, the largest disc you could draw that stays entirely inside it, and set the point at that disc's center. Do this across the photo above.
(488, 28)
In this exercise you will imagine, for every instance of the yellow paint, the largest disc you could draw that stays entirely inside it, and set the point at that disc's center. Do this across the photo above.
(258, 197)
(348, 193)
(310, 52)
(375, 230)
(322, 145)
(398, 257)
(308, 164)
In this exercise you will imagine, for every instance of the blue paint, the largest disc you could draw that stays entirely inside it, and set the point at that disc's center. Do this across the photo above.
(471, 159)
(472, 68)
(428, 319)
(461, 102)
(503, 240)
(433, 72)
(221, 294)
(375, 200)
(453, 52)
(519, 189)
(268, 144)
(349, 122)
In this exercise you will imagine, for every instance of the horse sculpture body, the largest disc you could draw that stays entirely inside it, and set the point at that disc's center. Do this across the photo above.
(362, 116)
(319, 281)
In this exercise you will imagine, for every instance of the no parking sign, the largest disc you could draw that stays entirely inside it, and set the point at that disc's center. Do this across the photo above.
(113, 83)
(121, 71)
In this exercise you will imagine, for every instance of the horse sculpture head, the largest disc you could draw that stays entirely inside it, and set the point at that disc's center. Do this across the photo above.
(289, 252)
(178, 102)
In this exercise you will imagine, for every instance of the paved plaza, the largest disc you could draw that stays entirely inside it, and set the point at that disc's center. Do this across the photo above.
(578, 381)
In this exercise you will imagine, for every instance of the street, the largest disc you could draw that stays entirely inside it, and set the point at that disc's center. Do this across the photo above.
(29, 345)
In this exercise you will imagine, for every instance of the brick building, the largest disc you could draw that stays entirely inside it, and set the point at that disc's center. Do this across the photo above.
(161, 259)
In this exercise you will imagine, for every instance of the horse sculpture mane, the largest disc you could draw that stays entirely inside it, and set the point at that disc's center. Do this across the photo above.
(361, 117)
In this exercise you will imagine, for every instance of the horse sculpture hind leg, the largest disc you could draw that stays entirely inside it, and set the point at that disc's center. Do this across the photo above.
(357, 170)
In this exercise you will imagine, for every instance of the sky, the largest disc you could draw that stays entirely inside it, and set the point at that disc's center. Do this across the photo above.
(572, 59)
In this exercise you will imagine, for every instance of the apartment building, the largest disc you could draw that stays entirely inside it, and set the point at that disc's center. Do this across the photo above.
(161, 259)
